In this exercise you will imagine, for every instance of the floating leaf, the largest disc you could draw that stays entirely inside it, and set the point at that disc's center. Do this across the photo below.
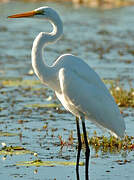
(47, 163)
(53, 105)
(16, 150)
(20, 82)
(8, 134)
(10, 78)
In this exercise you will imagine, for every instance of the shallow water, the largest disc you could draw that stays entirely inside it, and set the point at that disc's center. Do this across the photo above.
(105, 40)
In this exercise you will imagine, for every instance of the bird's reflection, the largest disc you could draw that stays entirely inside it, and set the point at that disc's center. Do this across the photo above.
(77, 172)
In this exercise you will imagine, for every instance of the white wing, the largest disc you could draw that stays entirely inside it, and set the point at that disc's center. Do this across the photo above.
(95, 102)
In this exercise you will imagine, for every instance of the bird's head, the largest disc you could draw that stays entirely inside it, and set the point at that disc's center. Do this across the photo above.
(46, 13)
(41, 13)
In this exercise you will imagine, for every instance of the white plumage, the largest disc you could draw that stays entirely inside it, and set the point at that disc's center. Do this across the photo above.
(83, 93)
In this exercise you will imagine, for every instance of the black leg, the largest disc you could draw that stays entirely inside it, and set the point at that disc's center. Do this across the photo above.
(87, 153)
(79, 147)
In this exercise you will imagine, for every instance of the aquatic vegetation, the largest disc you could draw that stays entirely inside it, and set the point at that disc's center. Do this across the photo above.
(8, 134)
(39, 162)
(124, 98)
(19, 82)
(122, 162)
(43, 105)
(69, 142)
(14, 150)
(111, 144)
(102, 143)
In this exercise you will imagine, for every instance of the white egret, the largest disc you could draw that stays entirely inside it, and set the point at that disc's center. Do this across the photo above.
(76, 84)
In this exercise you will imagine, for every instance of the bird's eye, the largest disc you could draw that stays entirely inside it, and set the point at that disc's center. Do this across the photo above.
(40, 13)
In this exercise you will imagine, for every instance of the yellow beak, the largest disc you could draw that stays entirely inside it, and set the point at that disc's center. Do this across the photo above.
(22, 15)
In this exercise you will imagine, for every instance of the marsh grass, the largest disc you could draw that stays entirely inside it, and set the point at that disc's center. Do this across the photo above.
(103, 144)
(124, 98)
(111, 144)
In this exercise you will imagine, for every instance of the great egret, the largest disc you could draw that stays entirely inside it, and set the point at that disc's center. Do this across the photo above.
(76, 85)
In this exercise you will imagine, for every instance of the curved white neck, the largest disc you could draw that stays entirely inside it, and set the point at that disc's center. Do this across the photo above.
(46, 73)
